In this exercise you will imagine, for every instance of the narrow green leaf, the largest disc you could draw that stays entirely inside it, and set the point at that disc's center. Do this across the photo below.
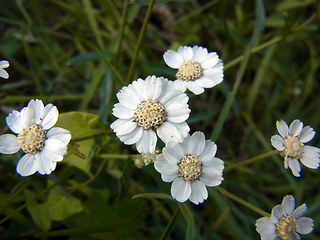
(166, 233)
(191, 229)
(152, 195)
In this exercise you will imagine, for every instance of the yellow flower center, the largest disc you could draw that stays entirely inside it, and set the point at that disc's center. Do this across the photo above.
(292, 147)
(31, 139)
(150, 114)
(285, 226)
(190, 168)
(190, 70)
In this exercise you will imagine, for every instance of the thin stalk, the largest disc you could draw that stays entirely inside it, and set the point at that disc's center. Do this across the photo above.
(166, 233)
(139, 42)
(122, 29)
(116, 156)
(243, 202)
(251, 160)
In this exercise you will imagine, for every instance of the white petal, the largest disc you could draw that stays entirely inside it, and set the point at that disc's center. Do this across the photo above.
(266, 228)
(59, 133)
(4, 74)
(196, 143)
(199, 192)
(295, 127)
(282, 128)
(286, 161)
(168, 171)
(207, 82)
(306, 134)
(210, 61)
(310, 161)
(27, 165)
(173, 152)
(305, 225)
(212, 176)
(277, 142)
(126, 128)
(122, 112)
(294, 165)
(199, 53)
(147, 143)
(172, 59)
(180, 190)
(180, 85)
(277, 212)
(9, 144)
(132, 137)
(208, 152)
(311, 150)
(56, 146)
(26, 115)
(53, 156)
(4, 64)
(178, 115)
(168, 132)
(117, 124)
(194, 87)
(300, 211)
(128, 97)
(178, 101)
(45, 163)
(183, 128)
(288, 204)
(37, 106)
(186, 52)
(49, 116)
(15, 122)
(154, 87)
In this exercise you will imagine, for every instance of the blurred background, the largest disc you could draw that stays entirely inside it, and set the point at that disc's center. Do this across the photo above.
(78, 54)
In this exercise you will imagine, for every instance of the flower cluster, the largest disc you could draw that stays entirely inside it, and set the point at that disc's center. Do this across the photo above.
(159, 107)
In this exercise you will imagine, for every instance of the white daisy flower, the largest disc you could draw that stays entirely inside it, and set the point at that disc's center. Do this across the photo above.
(285, 222)
(43, 147)
(148, 105)
(3, 73)
(290, 143)
(197, 69)
(191, 166)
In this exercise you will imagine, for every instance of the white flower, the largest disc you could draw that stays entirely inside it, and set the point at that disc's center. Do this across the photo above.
(191, 166)
(148, 105)
(3, 73)
(290, 143)
(285, 222)
(197, 69)
(43, 147)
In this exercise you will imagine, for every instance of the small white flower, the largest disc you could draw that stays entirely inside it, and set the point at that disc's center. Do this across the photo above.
(290, 143)
(3, 73)
(191, 166)
(197, 69)
(148, 105)
(285, 222)
(43, 147)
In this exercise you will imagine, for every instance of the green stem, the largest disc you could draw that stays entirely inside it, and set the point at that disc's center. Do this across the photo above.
(88, 137)
(116, 156)
(171, 223)
(123, 26)
(139, 42)
(251, 160)
(243, 202)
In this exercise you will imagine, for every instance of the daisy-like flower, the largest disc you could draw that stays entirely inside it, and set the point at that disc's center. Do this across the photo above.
(148, 105)
(3, 73)
(197, 69)
(285, 222)
(191, 166)
(291, 142)
(44, 146)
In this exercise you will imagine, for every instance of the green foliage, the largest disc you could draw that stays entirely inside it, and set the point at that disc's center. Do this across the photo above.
(77, 55)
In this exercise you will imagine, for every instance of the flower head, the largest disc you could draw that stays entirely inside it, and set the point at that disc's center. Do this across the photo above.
(191, 166)
(285, 222)
(291, 144)
(150, 105)
(43, 145)
(3, 73)
(197, 69)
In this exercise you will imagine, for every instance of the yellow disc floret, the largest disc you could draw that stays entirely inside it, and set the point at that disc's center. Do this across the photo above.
(31, 139)
(190, 168)
(292, 147)
(150, 114)
(190, 70)
(285, 226)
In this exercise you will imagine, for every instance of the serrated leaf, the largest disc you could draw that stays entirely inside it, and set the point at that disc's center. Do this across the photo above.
(39, 212)
(60, 207)
(91, 56)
